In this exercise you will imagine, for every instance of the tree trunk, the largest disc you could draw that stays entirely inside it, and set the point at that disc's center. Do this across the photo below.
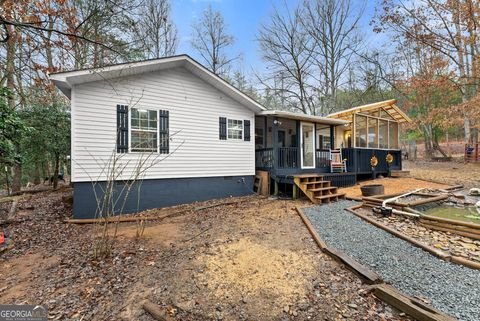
(7, 181)
(428, 139)
(36, 173)
(461, 68)
(9, 75)
(17, 178)
(55, 172)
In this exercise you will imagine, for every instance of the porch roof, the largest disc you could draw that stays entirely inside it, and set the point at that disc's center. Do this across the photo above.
(388, 105)
(305, 117)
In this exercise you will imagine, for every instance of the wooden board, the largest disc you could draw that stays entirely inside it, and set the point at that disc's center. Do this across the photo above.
(444, 229)
(397, 173)
(265, 186)
(321, 244)
(368, 275)
(411, 306)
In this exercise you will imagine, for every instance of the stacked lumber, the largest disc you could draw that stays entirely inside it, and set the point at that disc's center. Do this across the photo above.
(376, 201)
(399, 173)
(466, 229)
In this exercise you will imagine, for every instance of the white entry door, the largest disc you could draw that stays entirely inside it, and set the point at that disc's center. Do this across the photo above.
(308, 145)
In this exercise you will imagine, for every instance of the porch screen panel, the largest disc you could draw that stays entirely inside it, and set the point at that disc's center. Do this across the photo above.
(372, 133)
(361, 131)
(393, 129)
(323, 138)
(382, 134)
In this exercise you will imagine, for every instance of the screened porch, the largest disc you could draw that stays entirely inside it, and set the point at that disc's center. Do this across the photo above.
(291, 146)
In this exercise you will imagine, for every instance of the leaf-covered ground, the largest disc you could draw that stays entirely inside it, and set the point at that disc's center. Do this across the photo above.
(244, 261)
(452, 173)
(392, 185)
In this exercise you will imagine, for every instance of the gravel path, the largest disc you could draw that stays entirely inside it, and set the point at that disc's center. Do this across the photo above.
(451, 288)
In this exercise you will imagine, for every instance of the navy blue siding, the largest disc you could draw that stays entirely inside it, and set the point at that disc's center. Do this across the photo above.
(155, 193)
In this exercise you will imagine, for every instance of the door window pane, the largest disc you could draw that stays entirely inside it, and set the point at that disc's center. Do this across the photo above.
(307, 146)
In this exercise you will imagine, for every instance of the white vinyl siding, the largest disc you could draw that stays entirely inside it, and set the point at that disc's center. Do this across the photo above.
(194, 108)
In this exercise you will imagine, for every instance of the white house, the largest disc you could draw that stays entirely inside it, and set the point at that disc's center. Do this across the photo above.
(195, 131)
(198, 138)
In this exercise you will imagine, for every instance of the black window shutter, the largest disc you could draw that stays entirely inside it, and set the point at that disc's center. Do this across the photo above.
(122, 129)
(163, 131)
(246, 130)
(223, 128)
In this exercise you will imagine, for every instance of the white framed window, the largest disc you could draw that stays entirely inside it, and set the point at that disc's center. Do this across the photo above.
(234, 129)
(143, 130)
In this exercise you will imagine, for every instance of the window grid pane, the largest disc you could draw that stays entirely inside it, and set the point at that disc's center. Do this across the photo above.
(144, 130)
(144, 119)
(144, 141)
(235, 129)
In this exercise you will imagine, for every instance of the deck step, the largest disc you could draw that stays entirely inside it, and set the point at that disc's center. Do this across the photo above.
(329, 196)
(321, 189)
(308, 175)
(317, 189)
(315, 182)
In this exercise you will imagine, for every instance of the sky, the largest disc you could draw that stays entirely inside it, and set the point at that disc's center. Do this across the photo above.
(243, 19)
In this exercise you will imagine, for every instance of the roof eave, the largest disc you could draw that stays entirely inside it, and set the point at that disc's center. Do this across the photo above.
(381, 104)
(298, 116)
(64, 87)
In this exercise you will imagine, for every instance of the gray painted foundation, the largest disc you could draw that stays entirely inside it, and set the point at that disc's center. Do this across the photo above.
(155, 193)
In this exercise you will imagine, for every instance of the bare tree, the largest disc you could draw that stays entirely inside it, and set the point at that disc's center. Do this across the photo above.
(449, 28)
(210, 39)
(287, 49)
(333, 25)
(37, 38)
(156, 30)
(309, 52)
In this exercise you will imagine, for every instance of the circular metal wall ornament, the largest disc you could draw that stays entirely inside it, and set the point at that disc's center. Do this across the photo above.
(389, 158)
(374, 161)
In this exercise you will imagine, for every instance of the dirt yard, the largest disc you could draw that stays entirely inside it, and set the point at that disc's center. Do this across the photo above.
(453, 173)
(252, 260)
(392, 186)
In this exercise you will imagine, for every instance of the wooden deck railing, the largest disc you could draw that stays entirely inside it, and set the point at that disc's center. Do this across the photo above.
(264, 158)
(287, 157)
(322, 158)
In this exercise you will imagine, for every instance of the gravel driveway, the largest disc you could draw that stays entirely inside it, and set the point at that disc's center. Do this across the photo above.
(451, 288)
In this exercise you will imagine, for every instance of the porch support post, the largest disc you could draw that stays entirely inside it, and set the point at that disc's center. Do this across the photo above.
(265, 132)
(299, 148)
(332, 137)
(295, 191)
(275, 191)
(275, 142)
